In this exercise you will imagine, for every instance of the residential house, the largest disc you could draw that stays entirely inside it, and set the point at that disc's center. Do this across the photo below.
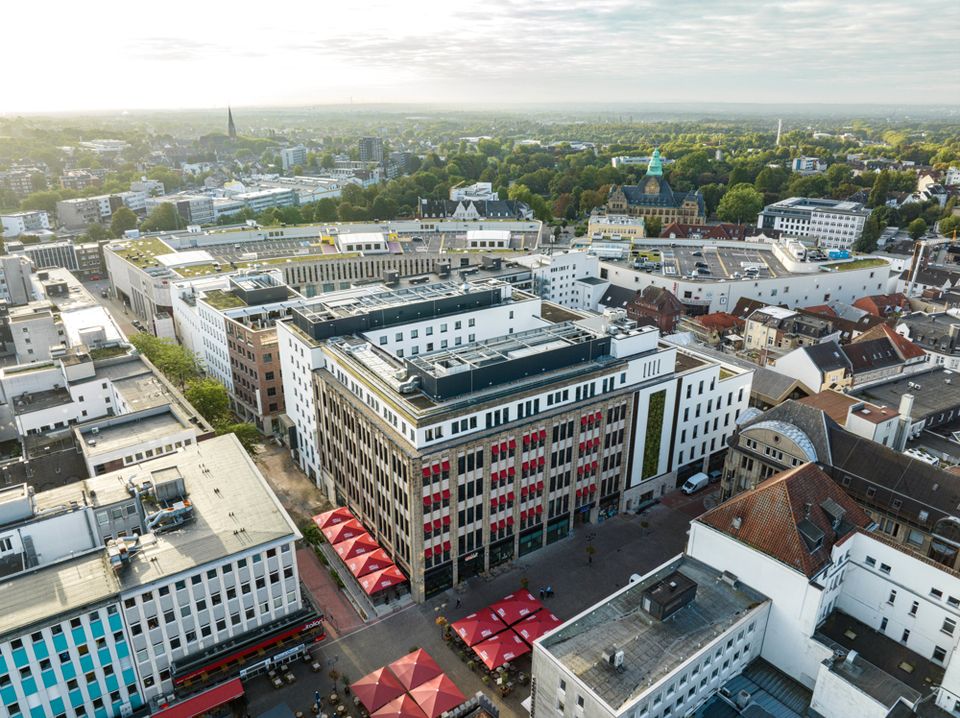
(656, 305)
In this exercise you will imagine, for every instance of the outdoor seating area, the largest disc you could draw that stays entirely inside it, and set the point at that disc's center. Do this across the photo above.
(363, 557)
(500, 634)
(413, 686)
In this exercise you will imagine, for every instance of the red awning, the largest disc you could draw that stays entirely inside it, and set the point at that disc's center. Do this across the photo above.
(525, 465)
(543, 433)
(598, 416)
(513, 443)
(446, 545)
(493, 504)
(509, 520)
(516, 606)
(539, 509)
(579, 492)
(501, 524)
(493, 526)
(526, 439)
(437, 523)
(446, 520)
(427, 500)
(593, 488)
(332, 517)
(511, 471)
(369, 563)
(495, 448)
(446, 494)
(358, 546)
(510, 496)
(541, 460)
(437, 497)
(436, 468)
(523, 490)
(437, 696)
(501, 500)
(582, 445)
(437, 550)
(427, 553)
(415, 669)
(445, 465)
(385, 578)
(523, 515)
(503, 474)
(343, 531)
(579, 469)
(402, 707)
(539, 486)
(478, 626)
(377, 689)
(427, 527)
(503, 446)
(583, 421)
(426, 472)
(500, 649)
(532, 627)
(204, 702)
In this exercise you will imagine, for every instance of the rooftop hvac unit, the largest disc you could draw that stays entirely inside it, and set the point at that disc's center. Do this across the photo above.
(613, 656)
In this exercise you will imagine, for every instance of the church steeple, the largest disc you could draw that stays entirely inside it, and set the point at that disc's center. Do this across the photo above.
(655, 168)
(231, 128)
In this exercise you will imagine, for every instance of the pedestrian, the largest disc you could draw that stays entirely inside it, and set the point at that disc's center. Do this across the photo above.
(458, 602)
(541, 593)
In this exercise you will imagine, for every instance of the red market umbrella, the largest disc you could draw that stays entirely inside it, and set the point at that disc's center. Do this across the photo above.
(369, 562)
(437, 696)
(379, 580)
(343, 531)
(332, 517)
(516, 606)
(478, 626)
(532, 627)
(402, 707)
(502, 648)
(351, 548)
(415, 668)
(377, 689)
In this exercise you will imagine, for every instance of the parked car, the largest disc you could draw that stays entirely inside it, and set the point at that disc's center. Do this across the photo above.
(695, 483)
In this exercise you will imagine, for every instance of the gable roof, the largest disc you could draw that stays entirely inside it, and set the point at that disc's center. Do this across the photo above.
(828, 356)
(617, 297)
(795, 517)
(871, 354)
(882, 304)
(662, 299)
(717, 321)
(903, 346)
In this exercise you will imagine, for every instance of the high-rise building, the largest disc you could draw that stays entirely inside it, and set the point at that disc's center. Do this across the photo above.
(231, 128)
(835, 224)
(371, 149)
(494, 420)
(290, 157)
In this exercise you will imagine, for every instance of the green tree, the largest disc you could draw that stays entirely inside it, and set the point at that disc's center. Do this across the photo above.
(917, 228)
(740, 204)
(162, 218)
(95, 233)
(173, 360)
(384, 208)
(881, 188)
(122, 220)
(949, 225)
(871, 233)
(712, 194)
(771, 180)
(46, 201)
(652, 226)
(209, 397)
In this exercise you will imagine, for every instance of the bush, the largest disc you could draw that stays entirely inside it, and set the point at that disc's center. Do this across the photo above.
(336, 577)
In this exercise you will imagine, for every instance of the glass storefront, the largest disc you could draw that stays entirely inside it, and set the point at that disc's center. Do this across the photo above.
(608, 508)
(531, 540)
(438, 579)
(501, 552)
(558, 528)
(470, 565)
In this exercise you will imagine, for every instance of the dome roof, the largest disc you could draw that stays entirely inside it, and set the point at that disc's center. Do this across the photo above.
(791, 432)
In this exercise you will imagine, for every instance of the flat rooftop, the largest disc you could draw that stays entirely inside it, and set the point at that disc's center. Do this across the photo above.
(933, 392)
(234, 510)
(678, 261)
(129, 429)
(652, 648)
(884, 668)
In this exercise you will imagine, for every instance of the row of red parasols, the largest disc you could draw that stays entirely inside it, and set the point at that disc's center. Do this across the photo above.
(364, 558)
(506, 629)
(413, 686)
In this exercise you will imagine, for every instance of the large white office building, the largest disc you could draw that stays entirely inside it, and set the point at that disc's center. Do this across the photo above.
(835, 224)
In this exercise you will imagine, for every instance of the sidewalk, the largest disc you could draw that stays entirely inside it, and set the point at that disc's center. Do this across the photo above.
(339, 614)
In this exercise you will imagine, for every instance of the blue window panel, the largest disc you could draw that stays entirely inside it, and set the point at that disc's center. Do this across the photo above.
(96, 628)
(20, 658)
(105, 658)
(69, 670)
(28, 686)
(40, 650)
(3, 665)
(112, 683)
(86, 663)
(78, 636)
(38, 712)
(60, 643)
(123, 650)
(129, 677)
(94, 689)
(50, 678)
(76, 698)
(136, 701)
(8, 695)
(116, 623)
(100, 713)
(56, 706)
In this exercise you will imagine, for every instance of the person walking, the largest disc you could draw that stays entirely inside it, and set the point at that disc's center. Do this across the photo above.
(458, 602)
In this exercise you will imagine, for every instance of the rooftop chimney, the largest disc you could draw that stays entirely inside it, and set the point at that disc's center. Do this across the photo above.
(906, 405)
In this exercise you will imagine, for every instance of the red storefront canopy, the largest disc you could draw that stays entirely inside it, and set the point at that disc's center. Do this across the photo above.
(402, 707)
(532, 627)
(369, 562)
(204, 702)
(437, 696)
(516, 606)
(377, 689)
(343, 531)
(415, 668)
(379, 580)
(351, 548)
(500, 649)
(478, 626)
(332, 517)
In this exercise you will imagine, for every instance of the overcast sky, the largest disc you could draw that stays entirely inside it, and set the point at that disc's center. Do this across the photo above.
(103, 54)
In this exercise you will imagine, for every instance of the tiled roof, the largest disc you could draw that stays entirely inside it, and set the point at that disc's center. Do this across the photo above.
(791, 517)
(871, 354)
(717, 321)
(903, 346)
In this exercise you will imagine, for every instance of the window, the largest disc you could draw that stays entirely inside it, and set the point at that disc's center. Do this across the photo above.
(914, 607)
(884, 568)
(936, 593)
(892, 597)
(939, 654)
(871, 561)
(949, 626)
(906, 635)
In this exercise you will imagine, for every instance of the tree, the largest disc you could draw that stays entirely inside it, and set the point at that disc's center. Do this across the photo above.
(712, 194)
(881, 188)
(740, 203)
(771, 180)
(46, 201)
(917, 228)
(871, 233)
(949, 225)
(209, 397)
(652, 226)
(96, 232)
(122, 220)
(247, 434)
(173, 360)
(162, 218)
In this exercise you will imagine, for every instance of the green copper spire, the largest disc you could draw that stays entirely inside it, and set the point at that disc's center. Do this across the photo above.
(655, 168)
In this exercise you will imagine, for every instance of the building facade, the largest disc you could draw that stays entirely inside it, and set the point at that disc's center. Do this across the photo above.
(655, 199)
(835, 224)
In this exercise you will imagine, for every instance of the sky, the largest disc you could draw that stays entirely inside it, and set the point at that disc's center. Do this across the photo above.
(108, 55)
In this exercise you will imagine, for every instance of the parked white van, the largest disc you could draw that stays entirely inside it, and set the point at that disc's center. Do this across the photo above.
(695, 483)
